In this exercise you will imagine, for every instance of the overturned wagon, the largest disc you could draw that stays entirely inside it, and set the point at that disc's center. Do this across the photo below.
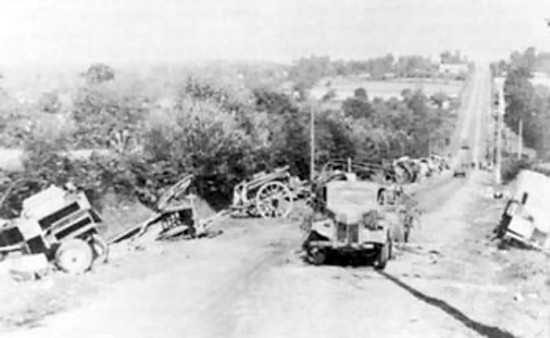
(59, 223)
(266, 194)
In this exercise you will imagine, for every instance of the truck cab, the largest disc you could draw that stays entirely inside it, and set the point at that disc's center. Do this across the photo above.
(352, 221)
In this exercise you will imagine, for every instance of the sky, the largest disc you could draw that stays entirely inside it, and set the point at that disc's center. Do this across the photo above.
(142, 31)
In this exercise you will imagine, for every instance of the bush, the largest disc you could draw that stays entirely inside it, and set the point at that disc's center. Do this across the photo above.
(510, 169)
(201, 139)
(49, 103)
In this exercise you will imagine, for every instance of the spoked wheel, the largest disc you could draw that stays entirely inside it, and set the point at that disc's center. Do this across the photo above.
(74, 256)
(274, 199)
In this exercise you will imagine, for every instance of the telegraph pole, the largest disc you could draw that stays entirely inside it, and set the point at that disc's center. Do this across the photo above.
(312, 143)
(499, 134)
(520, 139)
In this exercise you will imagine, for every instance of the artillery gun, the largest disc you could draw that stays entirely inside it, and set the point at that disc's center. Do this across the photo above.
(266, 194)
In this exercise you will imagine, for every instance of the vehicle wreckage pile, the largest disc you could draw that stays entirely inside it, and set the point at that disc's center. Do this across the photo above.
(60, 226)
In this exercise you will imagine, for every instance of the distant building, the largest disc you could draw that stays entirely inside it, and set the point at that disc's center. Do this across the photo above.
(540, 79)
(453, 69)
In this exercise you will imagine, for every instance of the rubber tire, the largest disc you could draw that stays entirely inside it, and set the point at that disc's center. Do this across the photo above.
(74, 256)
(384, 256)
(318, 257)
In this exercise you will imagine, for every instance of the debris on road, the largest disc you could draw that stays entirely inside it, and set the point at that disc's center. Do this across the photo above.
(266, 194)
(518, 297)
(27, 267)
(174, 211)
(176, 215)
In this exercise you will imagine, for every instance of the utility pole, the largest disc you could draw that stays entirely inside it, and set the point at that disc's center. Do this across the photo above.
(312, 144)
(499, 135)
(520, 139)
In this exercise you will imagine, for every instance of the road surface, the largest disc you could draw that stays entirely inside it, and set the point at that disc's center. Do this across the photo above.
(252, 281)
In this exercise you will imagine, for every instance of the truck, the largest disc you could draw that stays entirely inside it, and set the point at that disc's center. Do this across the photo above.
(350, 218)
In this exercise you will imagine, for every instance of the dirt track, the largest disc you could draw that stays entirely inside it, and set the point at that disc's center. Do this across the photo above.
(252, 282)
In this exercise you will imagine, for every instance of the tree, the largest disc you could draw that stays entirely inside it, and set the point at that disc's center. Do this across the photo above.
(450, 57)
(439, 99)
(100, 112)
(272, 102)
(49, 103)
(333, 137)
(307, 71)
(331, 94)
(360, 94)
(99, 73)
(357, 108)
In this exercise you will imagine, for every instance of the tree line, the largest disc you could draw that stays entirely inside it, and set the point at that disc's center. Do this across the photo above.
(527, 102)
(220, 133)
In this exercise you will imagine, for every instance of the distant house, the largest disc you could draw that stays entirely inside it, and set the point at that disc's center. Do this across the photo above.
(540, 79)
(453, 69)
(364, 76)
(287, 87)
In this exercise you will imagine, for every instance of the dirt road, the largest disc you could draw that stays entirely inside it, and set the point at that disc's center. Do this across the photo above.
(252, 281)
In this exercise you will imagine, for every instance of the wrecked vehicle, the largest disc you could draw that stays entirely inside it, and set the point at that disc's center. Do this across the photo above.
(460, 170)
(525, 217)
(176, 214)
(58, 223)
(266, 194)
(350, 219)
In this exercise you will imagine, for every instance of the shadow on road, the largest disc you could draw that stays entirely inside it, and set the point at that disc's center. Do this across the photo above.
(482, 329)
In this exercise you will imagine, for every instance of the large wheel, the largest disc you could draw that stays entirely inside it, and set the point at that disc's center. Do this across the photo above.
(317, 256)
(384, 255)
(274, 199)
(74, 256)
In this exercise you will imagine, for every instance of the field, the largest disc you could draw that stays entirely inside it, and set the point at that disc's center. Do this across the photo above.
(344, 87)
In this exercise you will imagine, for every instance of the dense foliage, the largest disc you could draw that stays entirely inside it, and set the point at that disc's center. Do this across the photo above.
(305, 72)
(525, 101)
(219, 131)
